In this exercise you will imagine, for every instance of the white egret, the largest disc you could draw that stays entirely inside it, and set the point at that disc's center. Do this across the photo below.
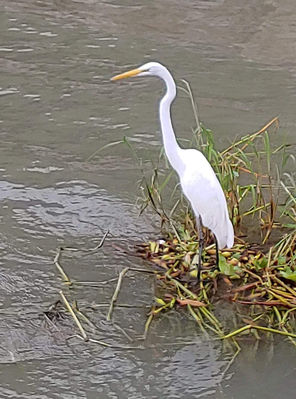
(198, 180)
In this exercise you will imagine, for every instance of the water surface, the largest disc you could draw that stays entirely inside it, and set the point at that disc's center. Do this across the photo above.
(58, 107)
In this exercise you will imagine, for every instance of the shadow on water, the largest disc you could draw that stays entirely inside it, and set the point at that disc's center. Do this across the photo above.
(57, 108)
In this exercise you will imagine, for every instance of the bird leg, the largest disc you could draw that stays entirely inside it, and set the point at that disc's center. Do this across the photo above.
(200, 246)
(217, 250)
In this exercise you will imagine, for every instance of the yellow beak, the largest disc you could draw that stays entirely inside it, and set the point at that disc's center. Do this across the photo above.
(128, 74)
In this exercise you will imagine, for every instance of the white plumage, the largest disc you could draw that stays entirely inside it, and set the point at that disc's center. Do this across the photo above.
(198, 180)
(202, 188)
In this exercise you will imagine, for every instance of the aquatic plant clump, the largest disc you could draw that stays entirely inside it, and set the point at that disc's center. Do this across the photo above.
(260, 277)
(257, 275)
(246, 275)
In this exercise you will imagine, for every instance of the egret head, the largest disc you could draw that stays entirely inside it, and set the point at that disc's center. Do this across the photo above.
(149, 69)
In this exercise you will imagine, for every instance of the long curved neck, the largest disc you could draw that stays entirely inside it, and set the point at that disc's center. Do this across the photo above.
(172, 148)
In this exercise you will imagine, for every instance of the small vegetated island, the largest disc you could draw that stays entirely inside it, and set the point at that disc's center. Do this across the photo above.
(258, 273)
(258, 180)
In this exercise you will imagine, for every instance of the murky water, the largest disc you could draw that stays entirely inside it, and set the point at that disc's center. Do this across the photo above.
(57, 107)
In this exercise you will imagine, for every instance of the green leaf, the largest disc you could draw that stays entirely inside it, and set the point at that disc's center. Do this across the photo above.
(290, 225)
(226, 268)
(260, 263)
(160, 301)
(288, 274)
(282, 260)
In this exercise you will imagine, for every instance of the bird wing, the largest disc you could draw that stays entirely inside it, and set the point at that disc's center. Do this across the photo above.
(203, 190)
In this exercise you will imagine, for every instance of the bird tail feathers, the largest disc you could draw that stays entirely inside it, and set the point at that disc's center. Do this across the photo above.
(225, 234)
